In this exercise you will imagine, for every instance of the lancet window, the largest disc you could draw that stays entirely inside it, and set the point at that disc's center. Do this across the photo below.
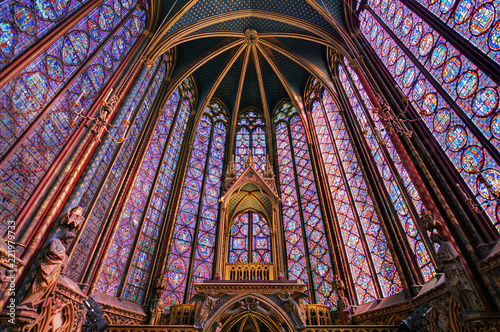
(129, 261)
(250, 137)
(191, 255)
(308, 255)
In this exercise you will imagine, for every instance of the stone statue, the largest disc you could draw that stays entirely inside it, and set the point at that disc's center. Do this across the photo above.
(293, 307)
(231, 171)
(456, 278)
(52, 264)
(204, 306)
(268, 172)
(218, 328)
(249, 160)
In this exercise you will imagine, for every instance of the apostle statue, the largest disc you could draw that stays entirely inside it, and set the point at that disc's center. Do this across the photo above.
(456, 278)
(205, 303)
(294, 308)
(52, 264)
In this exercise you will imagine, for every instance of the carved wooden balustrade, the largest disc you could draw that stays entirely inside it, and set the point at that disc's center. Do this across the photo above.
(249, 271)
(182, 314)
(318, 314)
(352, 328)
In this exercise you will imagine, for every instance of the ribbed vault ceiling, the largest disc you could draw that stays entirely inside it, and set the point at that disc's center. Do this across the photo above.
(249, 52)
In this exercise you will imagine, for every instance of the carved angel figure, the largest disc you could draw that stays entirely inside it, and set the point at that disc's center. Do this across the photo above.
(52, 264)
(293, 306)
(203, 307)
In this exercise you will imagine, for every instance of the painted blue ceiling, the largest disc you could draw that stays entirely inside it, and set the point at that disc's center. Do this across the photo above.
(189, 53)
(295, 8)
(228, 88)
(206, 76)
(251, 93)
(185, 54)
(315, 53)
(257, 23)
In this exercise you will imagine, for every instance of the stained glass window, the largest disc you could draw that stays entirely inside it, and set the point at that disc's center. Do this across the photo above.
(356, 215)
(250, 136)
(23, 23)
(161, 155)
(98, 207)
(306, 243)
(35, 105)
(478, 21)
(250, 240)
(193, 241)
(474, 97)
(406, 209)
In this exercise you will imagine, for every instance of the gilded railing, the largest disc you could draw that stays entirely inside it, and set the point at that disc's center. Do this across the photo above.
(345, 328)
(318, 314)
(182, 314)
(148, 328)
(352, 328)
(249, 271)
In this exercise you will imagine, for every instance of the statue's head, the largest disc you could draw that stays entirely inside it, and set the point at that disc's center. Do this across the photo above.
(67, 236)
(436, 238)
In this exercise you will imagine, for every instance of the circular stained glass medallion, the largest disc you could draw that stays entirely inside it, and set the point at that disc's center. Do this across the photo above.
(182, 240)
(93, 80)
(202, 134)
(391, 11)
(407, 24)
(442, 120)
(75, 47)
(25, 20)
(429, 104)
(472, 159)
(492, 180)
(209, 214)
(211, 196)
(451, 69)
(495, 126)
(398, 17)
(30, 92)
(177, 272)
(438, 56)
(409, 77)
(416, 34)
(426, 44)
(7, 40)
(118, 48)
(192, 189)
(494, 38)
(485, 102)
(214, 174)
(196, 168)
(218, 142)
(467, 84)
(127, 4)
(205, 245)
(463, 11)
(199, 150)
(482, 19)
(217, 157)
(137, 26)
(106, 17)
(93, 30)
(51, 10)
(55, 68)
(108, 63)
(386, 47)
(380, 39)
(419, 90)
(374, 32)
(456, 138)
(383, 5)
(400, 65)
(446, 5)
